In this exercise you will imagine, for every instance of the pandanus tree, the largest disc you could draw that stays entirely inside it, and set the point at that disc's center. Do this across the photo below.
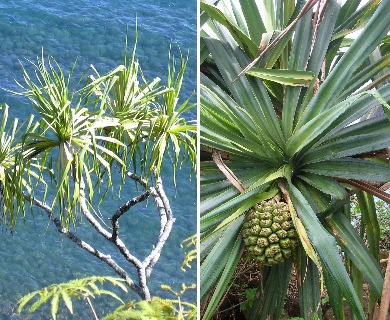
(79, 137)
(293, 111)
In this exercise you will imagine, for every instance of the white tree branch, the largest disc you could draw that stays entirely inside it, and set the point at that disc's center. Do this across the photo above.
(125, 208)
(84, 245)
(119, 244)
(95, 223)
(167, 221)
(144, 268)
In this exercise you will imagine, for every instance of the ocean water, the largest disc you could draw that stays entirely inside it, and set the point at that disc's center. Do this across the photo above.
(35, 255)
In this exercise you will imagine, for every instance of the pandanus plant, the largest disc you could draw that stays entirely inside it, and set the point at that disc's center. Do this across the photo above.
(293, 110)
(79, 137)
(116, 120)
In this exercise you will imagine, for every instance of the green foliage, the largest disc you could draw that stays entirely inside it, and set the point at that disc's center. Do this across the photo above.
(151, 122)
(174, 132)
(66, 131)
(283, 98)
(315, 317)
(87, 288)
(192, 254)
(156, 309)
(383, 213)
(80, 134)
(250, 295)
(384, 218)
(81, 289)
(11, 171)
(82, 131)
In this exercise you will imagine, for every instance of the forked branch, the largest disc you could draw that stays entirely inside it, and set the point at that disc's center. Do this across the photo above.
(144, 268)
(125, 208)
(84, 245)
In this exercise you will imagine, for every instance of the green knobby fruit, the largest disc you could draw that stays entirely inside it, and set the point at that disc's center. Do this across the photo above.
(269, 233)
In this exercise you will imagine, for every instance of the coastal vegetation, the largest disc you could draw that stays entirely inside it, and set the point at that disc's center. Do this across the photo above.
(294, 120)
(87, 289)
(104, 134)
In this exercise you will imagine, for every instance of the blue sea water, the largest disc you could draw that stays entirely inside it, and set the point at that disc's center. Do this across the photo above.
(93, 31)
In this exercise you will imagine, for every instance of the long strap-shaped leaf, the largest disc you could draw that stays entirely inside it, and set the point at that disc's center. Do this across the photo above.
(215, 262)
(313, 129)
(216, 103)
(359, 79)
(334, 84)
(353, 244)
(329, 186)
(248, 93)
(218, 131)
(349, 146)
(370, 221)
(327, 250)
(297, 61)
(304, 10)
(242, 39)
(283, 76)
(225, 279)
(220, 99)
(326, 21)
(271, 292)
(376, 125)
(335, 296)
(308, 286)
(360, 107)
(351, 168)
(252, 16)
(223, 211)
(217, 190)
